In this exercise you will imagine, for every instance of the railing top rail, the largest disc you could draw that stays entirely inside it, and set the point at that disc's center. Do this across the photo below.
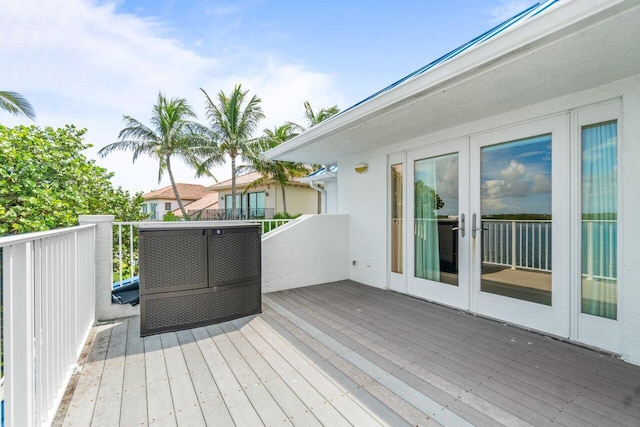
(518, 220)
(26, 237)
(544, 220)
(197, 223)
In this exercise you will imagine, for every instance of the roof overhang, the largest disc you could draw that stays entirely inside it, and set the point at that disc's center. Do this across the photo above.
(572, 46)
(327, 176)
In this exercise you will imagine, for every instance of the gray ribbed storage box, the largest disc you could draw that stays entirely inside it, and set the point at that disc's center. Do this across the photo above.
(193, 275)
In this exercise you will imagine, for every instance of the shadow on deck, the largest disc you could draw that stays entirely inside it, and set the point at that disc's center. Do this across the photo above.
(348, 354)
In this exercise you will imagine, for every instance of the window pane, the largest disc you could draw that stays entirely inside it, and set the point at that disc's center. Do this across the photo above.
(516, 219)
(396, 218)
(599, 219)
(436, 218)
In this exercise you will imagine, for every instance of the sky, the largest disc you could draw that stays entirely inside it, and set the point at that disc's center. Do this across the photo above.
(88, 63)
(516, 177)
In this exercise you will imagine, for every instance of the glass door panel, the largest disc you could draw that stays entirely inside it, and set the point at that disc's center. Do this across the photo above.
(397, 241)
(438, 246)
(396, 220)
(597, 239)
(599, 220)
(436, 218)
(521, 240)
(516, 219)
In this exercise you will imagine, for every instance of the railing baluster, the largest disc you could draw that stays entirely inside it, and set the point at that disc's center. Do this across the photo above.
(132, 267)
(513, 245)
(120, 251)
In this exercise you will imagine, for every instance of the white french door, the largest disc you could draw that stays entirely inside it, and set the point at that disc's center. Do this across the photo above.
(487, 225)
(437, 203)
(520, 222)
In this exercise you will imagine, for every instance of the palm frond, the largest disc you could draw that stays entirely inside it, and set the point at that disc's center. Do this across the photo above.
(16, 104)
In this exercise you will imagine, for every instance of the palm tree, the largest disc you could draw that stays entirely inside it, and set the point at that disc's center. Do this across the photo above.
(16, 104)
(171, 134)
(233, 120)
(282, 172)
(313, 118)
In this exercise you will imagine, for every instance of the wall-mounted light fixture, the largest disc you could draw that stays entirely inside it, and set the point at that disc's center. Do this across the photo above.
(362, 168)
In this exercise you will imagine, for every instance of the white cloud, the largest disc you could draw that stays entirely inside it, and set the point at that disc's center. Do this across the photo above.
(541, 184)
(283, 89)
(82, 63)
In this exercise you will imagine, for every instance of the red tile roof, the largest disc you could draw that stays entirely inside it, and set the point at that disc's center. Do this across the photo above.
(242, 181)
(189, 192)
(209, 201)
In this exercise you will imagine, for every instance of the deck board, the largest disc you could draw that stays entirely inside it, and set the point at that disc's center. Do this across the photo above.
(134, 396)
(240, 407)
(185, 401)
(110, 391)
(292, 406)
(318, 405)
(208, 394)
(347, 354)
(81, 407)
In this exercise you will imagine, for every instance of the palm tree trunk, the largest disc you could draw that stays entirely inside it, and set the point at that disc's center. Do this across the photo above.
(319, 203)
(233, 187)
(284, 199)
(175, 190)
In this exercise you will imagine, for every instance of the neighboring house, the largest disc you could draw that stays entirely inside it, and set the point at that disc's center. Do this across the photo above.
(195, 209)
(503, 178)
(157, 203)
(263, 201)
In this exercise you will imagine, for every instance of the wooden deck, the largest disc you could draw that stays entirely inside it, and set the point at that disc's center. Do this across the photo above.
(348, 354)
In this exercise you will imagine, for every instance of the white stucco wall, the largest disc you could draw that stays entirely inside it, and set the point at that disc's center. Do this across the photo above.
(630, 237)
(300, 200)
(105, 310)
(364, 196)
(331, 195)
(160, 210)
(311, 250)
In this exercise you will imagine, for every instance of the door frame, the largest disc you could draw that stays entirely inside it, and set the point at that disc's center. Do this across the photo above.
(593, 330)
(554, 319)
(451, 295)
(396, 281)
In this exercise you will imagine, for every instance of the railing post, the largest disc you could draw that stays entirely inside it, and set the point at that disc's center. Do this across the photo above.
(18, 282)
(513, 245)
(589, 250)
(104, 261)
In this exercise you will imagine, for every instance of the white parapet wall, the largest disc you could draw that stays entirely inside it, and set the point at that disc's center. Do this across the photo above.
(105, 310)
(311, 250)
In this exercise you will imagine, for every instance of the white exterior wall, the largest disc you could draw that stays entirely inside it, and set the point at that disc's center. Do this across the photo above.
(300, 200)
(160, 210)
(311, 250)
(331, 195)
(364, 196)
(105, 309)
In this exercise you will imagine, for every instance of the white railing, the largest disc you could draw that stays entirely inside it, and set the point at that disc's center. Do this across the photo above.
(518, 244)
(600, 239)
(48, 310)
(126, 249)
(527, 244)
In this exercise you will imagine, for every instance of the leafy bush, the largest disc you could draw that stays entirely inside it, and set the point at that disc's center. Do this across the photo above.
(284, 215)
(46, 181)
(170, 216)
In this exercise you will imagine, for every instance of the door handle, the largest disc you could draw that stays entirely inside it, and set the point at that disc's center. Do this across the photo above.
(460, 227)
(474, 228)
